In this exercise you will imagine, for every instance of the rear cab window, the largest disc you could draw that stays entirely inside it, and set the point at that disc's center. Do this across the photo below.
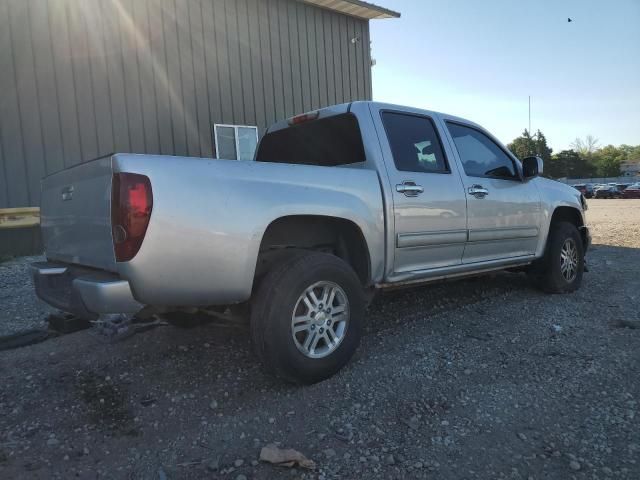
(328, 142)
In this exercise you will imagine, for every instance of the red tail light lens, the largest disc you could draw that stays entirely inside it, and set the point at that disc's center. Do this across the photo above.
(305, 117)
(131, 205)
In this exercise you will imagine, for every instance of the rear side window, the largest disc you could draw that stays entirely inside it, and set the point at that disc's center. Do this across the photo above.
(414, 143)
(481, 156)
(326, 142)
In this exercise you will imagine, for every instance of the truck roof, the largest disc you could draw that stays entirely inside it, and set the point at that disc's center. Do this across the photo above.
(342, 108)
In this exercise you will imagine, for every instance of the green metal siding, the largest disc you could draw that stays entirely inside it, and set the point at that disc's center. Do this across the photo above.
(83, 78)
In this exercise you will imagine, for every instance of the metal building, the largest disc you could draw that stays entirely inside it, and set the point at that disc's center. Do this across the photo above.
(84, 78)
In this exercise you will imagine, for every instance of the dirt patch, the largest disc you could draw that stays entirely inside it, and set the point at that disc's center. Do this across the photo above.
(106, 402)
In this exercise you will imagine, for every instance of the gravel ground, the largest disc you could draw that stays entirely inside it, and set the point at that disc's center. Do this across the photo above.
(484, 378)
(20, 309)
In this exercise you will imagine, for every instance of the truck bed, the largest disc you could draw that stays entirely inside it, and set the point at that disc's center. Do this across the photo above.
(208, 219)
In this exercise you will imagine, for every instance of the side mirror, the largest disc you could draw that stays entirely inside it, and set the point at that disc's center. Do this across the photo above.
(532, 167)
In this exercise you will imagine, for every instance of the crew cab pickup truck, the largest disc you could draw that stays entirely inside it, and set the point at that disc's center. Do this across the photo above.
(338, 203)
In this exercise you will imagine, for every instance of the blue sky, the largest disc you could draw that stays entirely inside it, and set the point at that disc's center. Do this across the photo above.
(481, 59)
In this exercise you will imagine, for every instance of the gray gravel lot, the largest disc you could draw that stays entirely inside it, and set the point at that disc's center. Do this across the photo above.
(483, 378)
(20, 309)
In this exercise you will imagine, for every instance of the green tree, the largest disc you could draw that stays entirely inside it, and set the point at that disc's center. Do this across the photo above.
(632, 153)
(607, 160)
(568, 163)
(542, 149)
(527, 145)
(523, 146)
(584, 160)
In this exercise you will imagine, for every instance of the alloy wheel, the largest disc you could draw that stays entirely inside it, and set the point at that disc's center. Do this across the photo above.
(320, 319)
(569, 260)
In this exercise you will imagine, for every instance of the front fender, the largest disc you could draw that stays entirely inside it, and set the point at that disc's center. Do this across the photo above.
(555, 195)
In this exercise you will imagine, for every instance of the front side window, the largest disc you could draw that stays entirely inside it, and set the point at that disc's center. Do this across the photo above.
(481, 156)
(235, 142)
(414, 143)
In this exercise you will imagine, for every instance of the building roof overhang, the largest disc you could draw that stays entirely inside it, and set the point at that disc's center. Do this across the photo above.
(355, 8)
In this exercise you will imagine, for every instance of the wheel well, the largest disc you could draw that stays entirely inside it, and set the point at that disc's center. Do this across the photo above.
(567, 214)
(288, 235)
(571, 215)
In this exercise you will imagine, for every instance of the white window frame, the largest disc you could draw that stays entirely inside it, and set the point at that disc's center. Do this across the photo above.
(235, 134)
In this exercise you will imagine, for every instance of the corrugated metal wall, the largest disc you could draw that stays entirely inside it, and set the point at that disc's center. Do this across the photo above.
(83, 78)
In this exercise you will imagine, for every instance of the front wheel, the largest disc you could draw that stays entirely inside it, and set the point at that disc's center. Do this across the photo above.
(561, 269)
(306, 317)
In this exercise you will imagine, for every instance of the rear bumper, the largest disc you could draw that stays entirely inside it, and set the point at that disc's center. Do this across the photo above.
(84, 292)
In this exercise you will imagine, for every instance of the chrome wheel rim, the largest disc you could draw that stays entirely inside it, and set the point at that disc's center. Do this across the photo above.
(320, 319)
(569, 260)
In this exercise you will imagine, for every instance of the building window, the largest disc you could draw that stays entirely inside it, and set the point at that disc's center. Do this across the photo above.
(235, 142)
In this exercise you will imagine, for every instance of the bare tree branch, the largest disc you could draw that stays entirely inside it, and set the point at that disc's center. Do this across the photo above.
(587, 146)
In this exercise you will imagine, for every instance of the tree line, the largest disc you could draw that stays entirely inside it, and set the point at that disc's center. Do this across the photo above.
(585, 159)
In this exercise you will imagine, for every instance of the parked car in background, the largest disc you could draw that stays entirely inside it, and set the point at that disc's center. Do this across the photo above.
(585, 189)
(338, 203)
(608, 191)
(632, 191)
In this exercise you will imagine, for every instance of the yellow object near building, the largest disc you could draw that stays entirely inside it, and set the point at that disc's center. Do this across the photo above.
(19, 217)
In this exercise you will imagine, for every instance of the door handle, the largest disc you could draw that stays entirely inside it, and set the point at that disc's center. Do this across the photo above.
(478, 191)
(410, 189)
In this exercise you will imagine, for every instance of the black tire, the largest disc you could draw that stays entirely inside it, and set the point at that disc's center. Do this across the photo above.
(273, 305)
(547, 273)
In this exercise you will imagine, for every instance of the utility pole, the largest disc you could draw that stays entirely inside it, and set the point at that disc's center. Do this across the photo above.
(529, 114)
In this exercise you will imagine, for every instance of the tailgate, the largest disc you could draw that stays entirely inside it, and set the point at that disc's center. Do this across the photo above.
(76, 215)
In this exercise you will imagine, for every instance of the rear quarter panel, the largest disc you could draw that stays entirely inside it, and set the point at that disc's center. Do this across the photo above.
(209, 217)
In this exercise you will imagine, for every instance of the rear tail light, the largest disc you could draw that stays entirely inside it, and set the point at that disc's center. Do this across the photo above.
(131, 204)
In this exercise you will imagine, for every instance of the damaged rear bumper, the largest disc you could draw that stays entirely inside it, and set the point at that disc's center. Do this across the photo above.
(81, 291)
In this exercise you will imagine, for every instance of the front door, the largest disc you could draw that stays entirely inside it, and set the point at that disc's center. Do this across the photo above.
(428, 197)
(503, 212)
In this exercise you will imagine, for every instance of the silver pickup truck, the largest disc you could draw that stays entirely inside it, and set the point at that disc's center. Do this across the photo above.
(338, 203)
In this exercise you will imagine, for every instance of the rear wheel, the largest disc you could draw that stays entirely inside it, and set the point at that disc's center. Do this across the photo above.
(561, 269)
(306, 317)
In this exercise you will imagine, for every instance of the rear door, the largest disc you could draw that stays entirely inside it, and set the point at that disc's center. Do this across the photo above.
(503, 211)
(429, 204)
